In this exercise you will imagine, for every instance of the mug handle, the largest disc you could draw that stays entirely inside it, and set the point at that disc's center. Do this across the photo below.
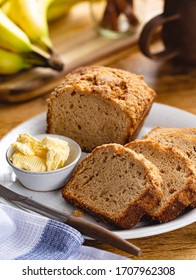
(147, 35)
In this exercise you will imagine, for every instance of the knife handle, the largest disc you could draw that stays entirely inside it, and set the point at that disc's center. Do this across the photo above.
(101, 234)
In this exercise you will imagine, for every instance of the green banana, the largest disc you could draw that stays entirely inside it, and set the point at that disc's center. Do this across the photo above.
(12, 63)
(31, 17)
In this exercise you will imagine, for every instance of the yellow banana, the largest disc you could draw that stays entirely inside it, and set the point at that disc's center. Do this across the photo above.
(31, 17)
(59, 8)
(13, 39)
(2, 2)
(11, 63)
(11, 36)
(4, 5)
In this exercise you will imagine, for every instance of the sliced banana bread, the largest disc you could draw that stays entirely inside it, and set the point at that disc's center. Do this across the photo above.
(178, 140)
(178, 174)
(164, 130)
(97, 105)
(116, 185)
(183, 139)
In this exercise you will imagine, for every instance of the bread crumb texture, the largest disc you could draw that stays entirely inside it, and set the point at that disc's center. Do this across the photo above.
(153, 178)
(97, 105)
(178, 175)
(116, 185)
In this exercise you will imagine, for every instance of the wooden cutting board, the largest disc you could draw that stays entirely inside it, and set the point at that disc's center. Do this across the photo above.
(77, 41)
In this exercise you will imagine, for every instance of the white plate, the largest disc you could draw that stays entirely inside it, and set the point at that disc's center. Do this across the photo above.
(161, 115)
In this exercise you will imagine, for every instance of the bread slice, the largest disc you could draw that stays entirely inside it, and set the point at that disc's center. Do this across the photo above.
(178, 174)
(164, 130)
(97, 105)
(186, 143)
(178, 140)
(115, 185)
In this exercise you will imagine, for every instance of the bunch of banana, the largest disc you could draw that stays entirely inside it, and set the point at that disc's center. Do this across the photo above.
(11, 62)
(31, 17)
(24, 33)
(24, 36)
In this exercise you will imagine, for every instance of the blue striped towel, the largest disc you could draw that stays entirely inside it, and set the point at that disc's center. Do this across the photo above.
(26, 236)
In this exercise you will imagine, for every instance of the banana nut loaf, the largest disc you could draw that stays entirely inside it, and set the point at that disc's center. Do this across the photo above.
(178, 175)
(183, 139)
(186, 144)
(116, 185)
(96, 105)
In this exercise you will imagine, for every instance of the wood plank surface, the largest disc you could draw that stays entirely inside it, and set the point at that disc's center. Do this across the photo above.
(175, 245)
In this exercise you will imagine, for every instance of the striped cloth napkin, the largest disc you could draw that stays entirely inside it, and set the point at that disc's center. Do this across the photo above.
(26, 236)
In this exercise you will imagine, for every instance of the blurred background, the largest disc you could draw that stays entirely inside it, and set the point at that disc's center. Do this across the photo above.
(46, 39)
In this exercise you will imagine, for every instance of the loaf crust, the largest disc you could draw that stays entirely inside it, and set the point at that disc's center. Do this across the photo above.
(98, 105)
(115, 185)
(184, 143)
(178, 174)
(191, 132)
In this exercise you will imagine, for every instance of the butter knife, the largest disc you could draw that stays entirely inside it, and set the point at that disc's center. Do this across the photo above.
(84, 227)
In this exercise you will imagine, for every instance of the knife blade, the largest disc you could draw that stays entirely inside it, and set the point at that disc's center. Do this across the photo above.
(84, 227)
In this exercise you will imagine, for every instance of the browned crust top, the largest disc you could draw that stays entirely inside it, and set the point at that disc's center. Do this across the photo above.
(126, 89)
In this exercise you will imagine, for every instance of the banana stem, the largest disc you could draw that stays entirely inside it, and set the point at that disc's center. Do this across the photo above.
(36, 59)
(55, 62)
(46, 45)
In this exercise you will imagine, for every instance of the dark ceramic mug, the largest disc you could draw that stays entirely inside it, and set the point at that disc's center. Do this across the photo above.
(178, 33)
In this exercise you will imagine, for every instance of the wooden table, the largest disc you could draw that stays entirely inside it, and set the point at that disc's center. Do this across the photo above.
(176, 86)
